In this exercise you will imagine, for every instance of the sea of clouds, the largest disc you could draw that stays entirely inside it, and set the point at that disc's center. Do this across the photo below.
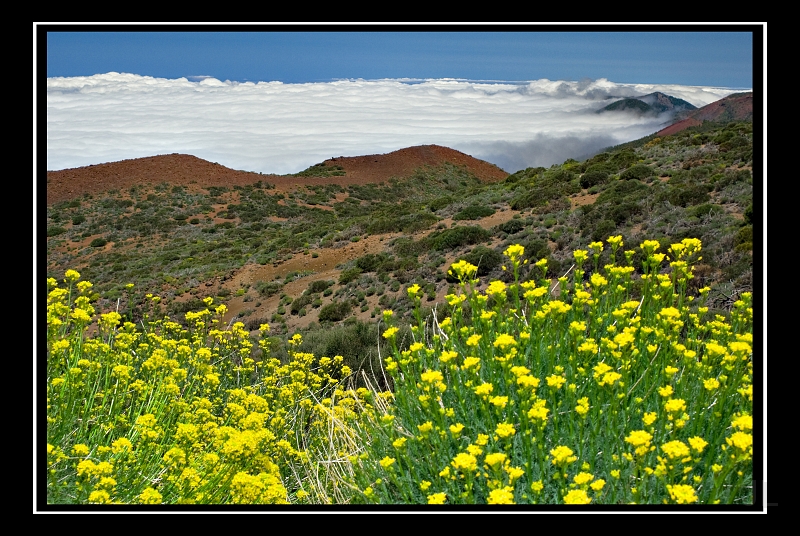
(272, 127)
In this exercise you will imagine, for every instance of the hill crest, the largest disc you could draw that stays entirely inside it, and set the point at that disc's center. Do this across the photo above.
(736, 107)
(185, 169)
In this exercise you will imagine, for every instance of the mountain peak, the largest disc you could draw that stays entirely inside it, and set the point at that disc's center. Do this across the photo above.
(651, 104)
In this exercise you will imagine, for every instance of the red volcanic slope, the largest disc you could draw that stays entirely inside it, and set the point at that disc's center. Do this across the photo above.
(183, 169)
(402, 163)
(738, 107)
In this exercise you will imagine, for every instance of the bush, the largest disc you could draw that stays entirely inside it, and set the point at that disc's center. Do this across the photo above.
(456, 237)
(98, 242)
(511, 227)
(484, 258)
(369, 262)
(440, 203)
(748, 214)
(348, 275)
(474, 212)
(300, 303)
(55, 231)
(593, 178)
(705, 209)
(268, 288)
(690, 195)
(319, 286)
(638, 172)
(335, 312)
(744, 238)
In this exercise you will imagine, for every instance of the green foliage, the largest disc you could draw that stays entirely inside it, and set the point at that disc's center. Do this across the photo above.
(510, 227)
(592, 178)
(484, 258)
(474, 212)
(300, 303)
(744, 238)
(348, 275)
(98, 242)
(335, 311)
(700, 211)
(693, 194)
(318, 286)
(55, 231)
(441, 202)
(178, 309)
(637, 172)
(370, 262)
(456, 237)
(409, 223)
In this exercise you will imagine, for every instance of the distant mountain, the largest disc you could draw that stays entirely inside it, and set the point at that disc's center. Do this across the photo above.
(735, 107)
(650, 104)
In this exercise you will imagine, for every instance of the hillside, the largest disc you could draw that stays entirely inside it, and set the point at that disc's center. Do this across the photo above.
(324, 251)
(736, 107)
(196, 173)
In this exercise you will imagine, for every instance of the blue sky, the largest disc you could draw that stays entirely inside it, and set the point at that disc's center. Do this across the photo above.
(701, 57)
(284, 98)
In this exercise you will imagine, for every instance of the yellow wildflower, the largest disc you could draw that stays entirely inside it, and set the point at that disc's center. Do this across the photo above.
(437, 498)
(682, 494)
(501, 496)
(577, 496)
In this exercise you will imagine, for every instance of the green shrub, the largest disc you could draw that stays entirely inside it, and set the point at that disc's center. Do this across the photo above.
(690, 195)
(705, 209)
(744, 238)
(299, 303)
(474, 212)
(484, 258)
(511, 226)
(335, 312)
(348, 275)
(440, 203)
(637, 172)
(319, 286)
(55, 231)
(268, 288)
(369, 262)
(593, 178)
(98, 242)
(456, 237)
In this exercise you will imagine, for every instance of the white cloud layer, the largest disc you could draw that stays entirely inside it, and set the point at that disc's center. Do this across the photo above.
(273, 127)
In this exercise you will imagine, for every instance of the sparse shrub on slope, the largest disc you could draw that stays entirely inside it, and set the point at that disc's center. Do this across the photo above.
(335, 312)
(456, 237)
(474, 212)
